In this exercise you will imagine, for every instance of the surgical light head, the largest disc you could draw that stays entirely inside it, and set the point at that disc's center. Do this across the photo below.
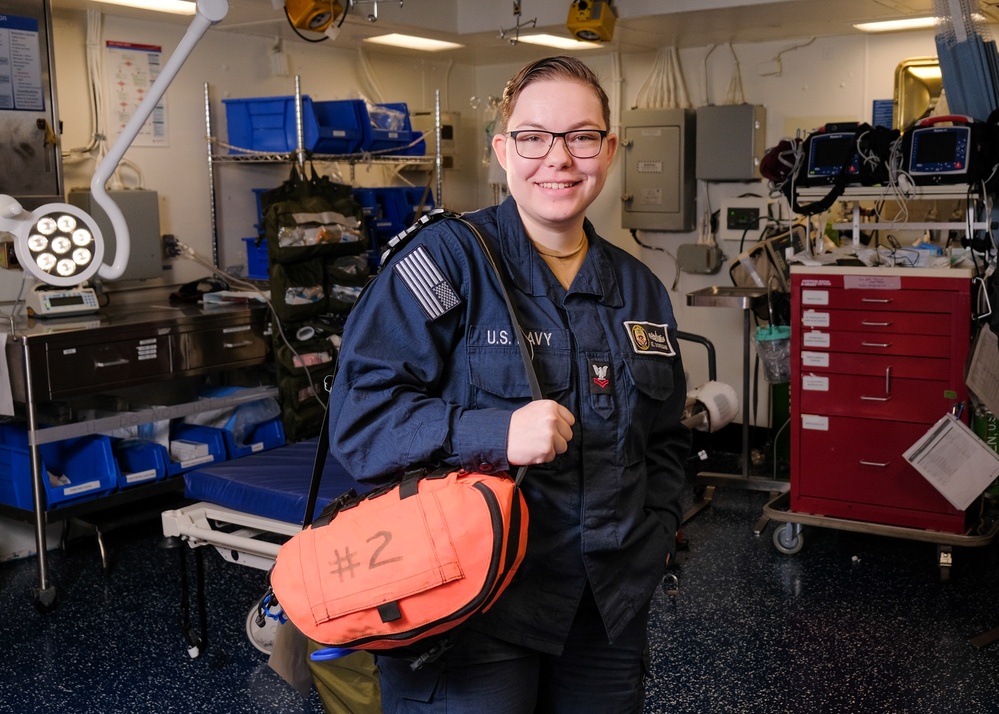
(57, 243)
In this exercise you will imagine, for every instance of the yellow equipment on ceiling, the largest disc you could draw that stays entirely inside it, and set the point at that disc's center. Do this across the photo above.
(591, 20)
(312, 15)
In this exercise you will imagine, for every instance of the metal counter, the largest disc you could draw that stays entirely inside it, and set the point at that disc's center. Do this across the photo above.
(124, 346)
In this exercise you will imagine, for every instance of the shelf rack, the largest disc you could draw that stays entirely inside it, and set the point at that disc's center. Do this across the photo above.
(856, 194)
(300, 155)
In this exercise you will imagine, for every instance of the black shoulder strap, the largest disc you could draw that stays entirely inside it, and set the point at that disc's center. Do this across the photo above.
(393, 246)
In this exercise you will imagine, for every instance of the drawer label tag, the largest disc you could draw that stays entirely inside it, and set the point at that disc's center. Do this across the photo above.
(815, 359)
(873, 282)
(814, 297)
(813, 383)
(814, 318)
(814, 422)
(814, 338)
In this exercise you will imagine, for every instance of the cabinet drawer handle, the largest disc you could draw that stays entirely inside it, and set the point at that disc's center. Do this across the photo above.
(235, 345)
(116, 363)
(865, 323)
(875, 344)
(880, 301)
(874, 399)
(874, 463)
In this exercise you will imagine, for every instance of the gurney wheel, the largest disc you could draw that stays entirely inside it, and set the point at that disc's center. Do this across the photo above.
(788, 538)
(261, 637)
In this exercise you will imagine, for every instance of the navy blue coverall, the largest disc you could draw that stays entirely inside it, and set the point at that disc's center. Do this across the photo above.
(431, 372)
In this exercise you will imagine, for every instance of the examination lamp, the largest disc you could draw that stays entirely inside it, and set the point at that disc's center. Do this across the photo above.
(591, 20)
(60, 244)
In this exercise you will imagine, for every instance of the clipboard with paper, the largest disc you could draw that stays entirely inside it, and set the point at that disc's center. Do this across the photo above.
(955, 461)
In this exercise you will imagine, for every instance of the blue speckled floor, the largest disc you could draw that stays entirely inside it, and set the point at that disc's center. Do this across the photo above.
(854, 623)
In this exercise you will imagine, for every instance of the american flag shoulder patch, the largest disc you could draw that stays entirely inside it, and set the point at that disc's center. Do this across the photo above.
(427, 283)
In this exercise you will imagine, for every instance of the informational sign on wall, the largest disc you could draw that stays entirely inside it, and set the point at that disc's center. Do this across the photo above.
(131, 70)
(20, 64)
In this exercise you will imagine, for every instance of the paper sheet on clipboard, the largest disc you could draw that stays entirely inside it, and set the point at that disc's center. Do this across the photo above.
(983, 370)
(955, 461)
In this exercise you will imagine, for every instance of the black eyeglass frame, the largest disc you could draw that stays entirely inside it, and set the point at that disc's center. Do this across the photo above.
(602, 133)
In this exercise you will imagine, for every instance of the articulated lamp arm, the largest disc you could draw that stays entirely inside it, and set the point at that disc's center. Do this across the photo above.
(208, 13)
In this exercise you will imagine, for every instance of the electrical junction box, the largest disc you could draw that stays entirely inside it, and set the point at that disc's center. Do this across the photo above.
(743, 218)
(659, 186)
(731, 142)
(450, 124)
(141, 209)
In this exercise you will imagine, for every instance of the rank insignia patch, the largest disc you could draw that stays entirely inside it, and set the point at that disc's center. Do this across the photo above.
(429, 286)
(649, 338)
(600, 377)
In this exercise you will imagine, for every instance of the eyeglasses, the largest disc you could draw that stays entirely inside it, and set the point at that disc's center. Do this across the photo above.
(535, 144)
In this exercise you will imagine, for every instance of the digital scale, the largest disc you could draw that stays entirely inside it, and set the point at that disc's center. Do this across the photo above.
(45, 301)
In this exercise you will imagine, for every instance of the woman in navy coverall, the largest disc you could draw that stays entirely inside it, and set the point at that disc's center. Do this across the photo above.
(430, 372)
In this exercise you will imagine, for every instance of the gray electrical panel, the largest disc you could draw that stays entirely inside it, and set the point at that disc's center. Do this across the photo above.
(141, 210)
(29, 123)
(659, 186)
(731, 141)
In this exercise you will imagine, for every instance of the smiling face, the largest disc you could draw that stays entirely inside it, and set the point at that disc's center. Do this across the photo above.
(553, 192)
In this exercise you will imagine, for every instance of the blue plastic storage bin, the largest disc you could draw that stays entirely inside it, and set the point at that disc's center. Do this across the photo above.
(268, 124)
(393, 140)
(266, 435)
(87, 461)
(341, 125)
(257, 262)
(139, 461)
(200, 434)
(258, 196)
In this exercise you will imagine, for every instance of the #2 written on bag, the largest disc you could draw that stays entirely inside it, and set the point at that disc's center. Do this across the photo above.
(398, 565)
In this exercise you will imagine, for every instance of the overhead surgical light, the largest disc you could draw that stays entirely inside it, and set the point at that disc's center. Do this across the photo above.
(591, 20)
(60, 244)
(57, 243)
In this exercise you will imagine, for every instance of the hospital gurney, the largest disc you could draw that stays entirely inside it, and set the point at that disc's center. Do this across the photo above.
(246, 508)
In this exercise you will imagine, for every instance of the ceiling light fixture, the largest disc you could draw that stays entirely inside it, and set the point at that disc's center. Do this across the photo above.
(177, 7)
(411, 42)
(909, 23)
(558, 42)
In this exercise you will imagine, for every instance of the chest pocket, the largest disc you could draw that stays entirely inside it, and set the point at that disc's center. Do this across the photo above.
(496, 371)
(651, 384)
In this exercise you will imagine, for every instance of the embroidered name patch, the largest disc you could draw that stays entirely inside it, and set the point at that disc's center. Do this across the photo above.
(424, 279)
(648, 338)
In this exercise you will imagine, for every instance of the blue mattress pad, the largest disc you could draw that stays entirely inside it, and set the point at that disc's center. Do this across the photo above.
(272, 484)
